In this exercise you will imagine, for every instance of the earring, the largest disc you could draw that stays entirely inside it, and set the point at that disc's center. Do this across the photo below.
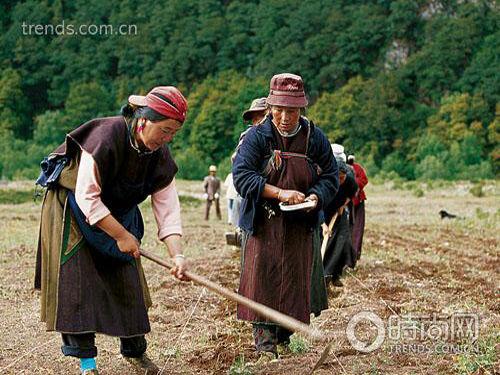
(141, 126)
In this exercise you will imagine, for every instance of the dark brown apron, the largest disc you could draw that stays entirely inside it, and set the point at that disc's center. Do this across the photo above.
(279, 255)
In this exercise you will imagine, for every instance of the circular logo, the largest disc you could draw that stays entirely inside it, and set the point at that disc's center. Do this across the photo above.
(365, 347)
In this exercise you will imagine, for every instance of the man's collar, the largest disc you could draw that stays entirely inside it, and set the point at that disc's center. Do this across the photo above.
(266, 128)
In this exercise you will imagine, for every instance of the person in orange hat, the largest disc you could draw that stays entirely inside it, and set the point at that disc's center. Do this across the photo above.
(283, 160)
(88, 260)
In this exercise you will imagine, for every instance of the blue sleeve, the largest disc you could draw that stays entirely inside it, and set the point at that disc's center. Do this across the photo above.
(328, 183)
(247, 165)
(321, 216)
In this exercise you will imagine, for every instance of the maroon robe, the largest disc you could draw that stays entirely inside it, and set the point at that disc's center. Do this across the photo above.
(279, 255)
(96, 293)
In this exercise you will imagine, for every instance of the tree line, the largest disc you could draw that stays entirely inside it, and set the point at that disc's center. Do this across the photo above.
(410, 87)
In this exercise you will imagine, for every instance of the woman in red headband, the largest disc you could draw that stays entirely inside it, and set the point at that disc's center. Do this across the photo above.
(88, 261)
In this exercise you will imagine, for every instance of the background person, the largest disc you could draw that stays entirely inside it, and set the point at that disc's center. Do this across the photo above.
(257, 111)
(211, 185)
(339, 252)
(358, 202)
(232, 201)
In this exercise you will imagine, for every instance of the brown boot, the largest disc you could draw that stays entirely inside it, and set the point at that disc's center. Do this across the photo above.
(143, 365)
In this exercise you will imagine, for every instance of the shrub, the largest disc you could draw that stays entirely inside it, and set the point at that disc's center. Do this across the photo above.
(192, 165)
(419, 193)
(298, 345)
(477, 190)
(240, 367)
(430, 168)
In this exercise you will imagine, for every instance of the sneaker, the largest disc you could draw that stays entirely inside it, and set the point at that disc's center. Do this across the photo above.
(90, 372)
(143, 365)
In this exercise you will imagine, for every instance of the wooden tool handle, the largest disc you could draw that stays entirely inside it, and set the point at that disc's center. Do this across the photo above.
(326, 238)
(271, 314)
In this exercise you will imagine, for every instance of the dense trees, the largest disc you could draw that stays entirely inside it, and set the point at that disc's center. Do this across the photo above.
(409, 86)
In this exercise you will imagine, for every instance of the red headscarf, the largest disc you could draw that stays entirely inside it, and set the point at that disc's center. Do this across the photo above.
(166, 100)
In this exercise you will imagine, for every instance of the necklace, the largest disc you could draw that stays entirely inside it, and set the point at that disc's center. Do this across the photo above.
(288, 135)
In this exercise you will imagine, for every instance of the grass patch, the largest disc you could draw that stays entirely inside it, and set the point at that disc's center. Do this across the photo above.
(419, 193)
(187, 200)
(374, 370)
(482, 215)
(173, 352)
(240, 367)
(11, 196)
(479, 361)
(298, 345)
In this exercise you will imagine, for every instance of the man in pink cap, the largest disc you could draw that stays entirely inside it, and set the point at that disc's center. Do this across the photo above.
(287, 160)
(88, 261)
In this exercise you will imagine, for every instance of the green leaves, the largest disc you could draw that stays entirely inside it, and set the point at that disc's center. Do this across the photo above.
(214, 124)
(380, 75)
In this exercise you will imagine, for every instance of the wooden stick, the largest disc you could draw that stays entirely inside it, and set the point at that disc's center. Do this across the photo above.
(326, 238)
(271, 314)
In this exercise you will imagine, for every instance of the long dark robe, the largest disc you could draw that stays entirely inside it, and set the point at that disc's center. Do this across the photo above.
(82, 290)
(358, 227)
(339, 251)
(279, 254)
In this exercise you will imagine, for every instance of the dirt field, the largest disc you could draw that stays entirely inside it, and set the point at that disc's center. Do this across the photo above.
(412, 262)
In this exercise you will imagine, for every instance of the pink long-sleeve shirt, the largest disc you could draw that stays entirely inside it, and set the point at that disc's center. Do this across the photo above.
(165, 202)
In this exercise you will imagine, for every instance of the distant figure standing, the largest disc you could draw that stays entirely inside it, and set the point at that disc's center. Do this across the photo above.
(358, 202)
(211, 184)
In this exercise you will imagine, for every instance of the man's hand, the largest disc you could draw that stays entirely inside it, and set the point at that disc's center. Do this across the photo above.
(291, 196)
(312, 198)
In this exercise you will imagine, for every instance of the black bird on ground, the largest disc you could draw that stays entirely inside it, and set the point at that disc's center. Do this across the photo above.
(446, 215)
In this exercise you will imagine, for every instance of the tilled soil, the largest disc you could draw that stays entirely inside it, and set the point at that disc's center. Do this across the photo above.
(412, 262)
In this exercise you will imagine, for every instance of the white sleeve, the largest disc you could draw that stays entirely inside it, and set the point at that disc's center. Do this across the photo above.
(88, 190)
(167, 211)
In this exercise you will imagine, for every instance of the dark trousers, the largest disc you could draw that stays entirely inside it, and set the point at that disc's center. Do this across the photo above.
(82, 345)
(217, 208)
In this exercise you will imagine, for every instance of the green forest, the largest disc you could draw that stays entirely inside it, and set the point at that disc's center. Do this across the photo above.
(410, 87)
